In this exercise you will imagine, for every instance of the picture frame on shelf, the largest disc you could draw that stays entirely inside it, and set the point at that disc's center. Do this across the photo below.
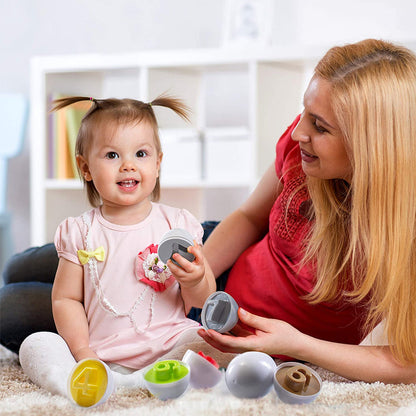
(248, 23)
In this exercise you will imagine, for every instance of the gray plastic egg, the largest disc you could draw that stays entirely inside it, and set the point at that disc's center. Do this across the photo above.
(250, 375)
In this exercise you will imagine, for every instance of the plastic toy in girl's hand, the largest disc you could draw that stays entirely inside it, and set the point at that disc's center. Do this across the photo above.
(296, 383)
(205, 371)
(167, 379)
(90, 383)
(250, 375)
(174, 241)
(219, 312)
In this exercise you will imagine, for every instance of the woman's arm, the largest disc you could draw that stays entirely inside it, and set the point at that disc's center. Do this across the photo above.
(68, 309)
(245, 226)
(274, 337)
(230, 238)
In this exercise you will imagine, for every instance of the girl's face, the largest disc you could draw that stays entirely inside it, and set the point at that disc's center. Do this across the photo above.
(124, 166)
(321, 143)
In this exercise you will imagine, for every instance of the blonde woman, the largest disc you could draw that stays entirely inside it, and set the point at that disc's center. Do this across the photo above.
(324, 249)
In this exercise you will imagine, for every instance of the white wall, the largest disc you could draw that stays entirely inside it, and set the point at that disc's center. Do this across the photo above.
(43, 27)
(332, 21)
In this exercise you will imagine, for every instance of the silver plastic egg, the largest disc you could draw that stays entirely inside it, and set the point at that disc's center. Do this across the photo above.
(250, 375)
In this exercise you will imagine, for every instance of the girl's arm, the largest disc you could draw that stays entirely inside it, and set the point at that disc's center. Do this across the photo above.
(68, 309)
(355, 362)
(195, 278)
(245, 226)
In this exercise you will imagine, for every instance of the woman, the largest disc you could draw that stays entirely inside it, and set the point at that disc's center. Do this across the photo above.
(324, 248)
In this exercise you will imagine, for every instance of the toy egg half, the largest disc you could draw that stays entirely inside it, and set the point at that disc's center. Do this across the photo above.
(174, 241)
(90, 383)
(167, 379)
(220, 312)
(204, 374)
(296, 383)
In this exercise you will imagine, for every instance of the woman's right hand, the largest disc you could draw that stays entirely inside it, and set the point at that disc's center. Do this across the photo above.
(271, 336)
(274, 337)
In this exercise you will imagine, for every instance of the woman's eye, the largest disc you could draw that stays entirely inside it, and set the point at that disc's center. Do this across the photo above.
(319, 128)
(141, 153)
(111, 155)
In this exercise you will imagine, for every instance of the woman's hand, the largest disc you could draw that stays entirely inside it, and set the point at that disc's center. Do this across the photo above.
(274, 337)
(270, 336)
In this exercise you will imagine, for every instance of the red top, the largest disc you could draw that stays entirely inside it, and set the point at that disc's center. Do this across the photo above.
(266, 279)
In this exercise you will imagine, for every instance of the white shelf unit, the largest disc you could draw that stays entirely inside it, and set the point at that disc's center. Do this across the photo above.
(241, 102)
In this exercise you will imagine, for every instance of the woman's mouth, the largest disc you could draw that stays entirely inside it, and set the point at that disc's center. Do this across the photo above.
(307, 157)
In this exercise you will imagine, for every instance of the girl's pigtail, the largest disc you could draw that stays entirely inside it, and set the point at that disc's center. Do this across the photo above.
(174, 104)
(66, 101)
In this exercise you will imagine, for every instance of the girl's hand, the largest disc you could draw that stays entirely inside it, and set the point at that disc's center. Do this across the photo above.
(270, 336)
(85, 352)
(189, 274)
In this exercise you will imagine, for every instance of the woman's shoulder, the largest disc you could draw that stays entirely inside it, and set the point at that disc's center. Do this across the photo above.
(288, 160)
(286, 147)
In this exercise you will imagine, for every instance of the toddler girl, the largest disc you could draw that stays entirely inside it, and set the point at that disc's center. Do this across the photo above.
(113, 300)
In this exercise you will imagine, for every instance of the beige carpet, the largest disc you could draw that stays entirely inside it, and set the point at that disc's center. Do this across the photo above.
(18, 396)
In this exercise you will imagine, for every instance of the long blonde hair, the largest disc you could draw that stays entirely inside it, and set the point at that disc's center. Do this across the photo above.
(363, 239)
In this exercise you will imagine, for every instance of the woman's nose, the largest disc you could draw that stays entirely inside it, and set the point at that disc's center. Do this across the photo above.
(300, 134)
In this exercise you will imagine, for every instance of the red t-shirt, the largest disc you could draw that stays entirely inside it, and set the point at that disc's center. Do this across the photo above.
(266, 279)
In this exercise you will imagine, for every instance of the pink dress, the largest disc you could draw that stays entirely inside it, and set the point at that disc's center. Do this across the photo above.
(134, 308)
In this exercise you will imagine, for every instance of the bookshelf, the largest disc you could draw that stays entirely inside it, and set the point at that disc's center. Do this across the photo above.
(241, 102)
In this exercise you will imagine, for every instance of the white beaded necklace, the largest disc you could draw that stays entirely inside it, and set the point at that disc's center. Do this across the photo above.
(103, 301)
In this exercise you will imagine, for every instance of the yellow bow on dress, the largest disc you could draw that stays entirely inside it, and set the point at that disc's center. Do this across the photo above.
(84, 255)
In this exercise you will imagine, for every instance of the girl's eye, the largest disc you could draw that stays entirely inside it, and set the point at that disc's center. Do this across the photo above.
(111, 155)
(141, 153)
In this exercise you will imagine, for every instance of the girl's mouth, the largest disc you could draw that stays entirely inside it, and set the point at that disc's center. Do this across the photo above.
(307, 157)
(128, 184)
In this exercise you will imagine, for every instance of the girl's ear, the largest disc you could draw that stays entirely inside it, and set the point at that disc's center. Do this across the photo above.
(83, 167)
(159, 161)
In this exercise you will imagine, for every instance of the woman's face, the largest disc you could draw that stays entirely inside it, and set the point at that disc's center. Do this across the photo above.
(320, 140)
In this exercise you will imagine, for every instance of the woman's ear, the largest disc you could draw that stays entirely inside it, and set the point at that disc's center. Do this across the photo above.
(83, 167)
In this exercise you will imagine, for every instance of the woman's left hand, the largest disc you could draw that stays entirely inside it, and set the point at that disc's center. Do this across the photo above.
(270, 336)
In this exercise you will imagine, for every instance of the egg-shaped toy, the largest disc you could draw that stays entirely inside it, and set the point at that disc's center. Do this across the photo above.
(250, 375)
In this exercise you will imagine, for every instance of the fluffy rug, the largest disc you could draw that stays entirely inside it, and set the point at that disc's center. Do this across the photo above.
(18, 396)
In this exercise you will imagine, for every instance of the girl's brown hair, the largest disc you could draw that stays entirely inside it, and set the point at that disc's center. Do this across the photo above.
(112, 112)
(365, 245)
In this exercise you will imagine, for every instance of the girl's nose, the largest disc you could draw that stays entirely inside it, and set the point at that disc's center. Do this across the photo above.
(128, 166)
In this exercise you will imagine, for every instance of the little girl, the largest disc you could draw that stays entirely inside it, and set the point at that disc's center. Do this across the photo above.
(112, 299)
